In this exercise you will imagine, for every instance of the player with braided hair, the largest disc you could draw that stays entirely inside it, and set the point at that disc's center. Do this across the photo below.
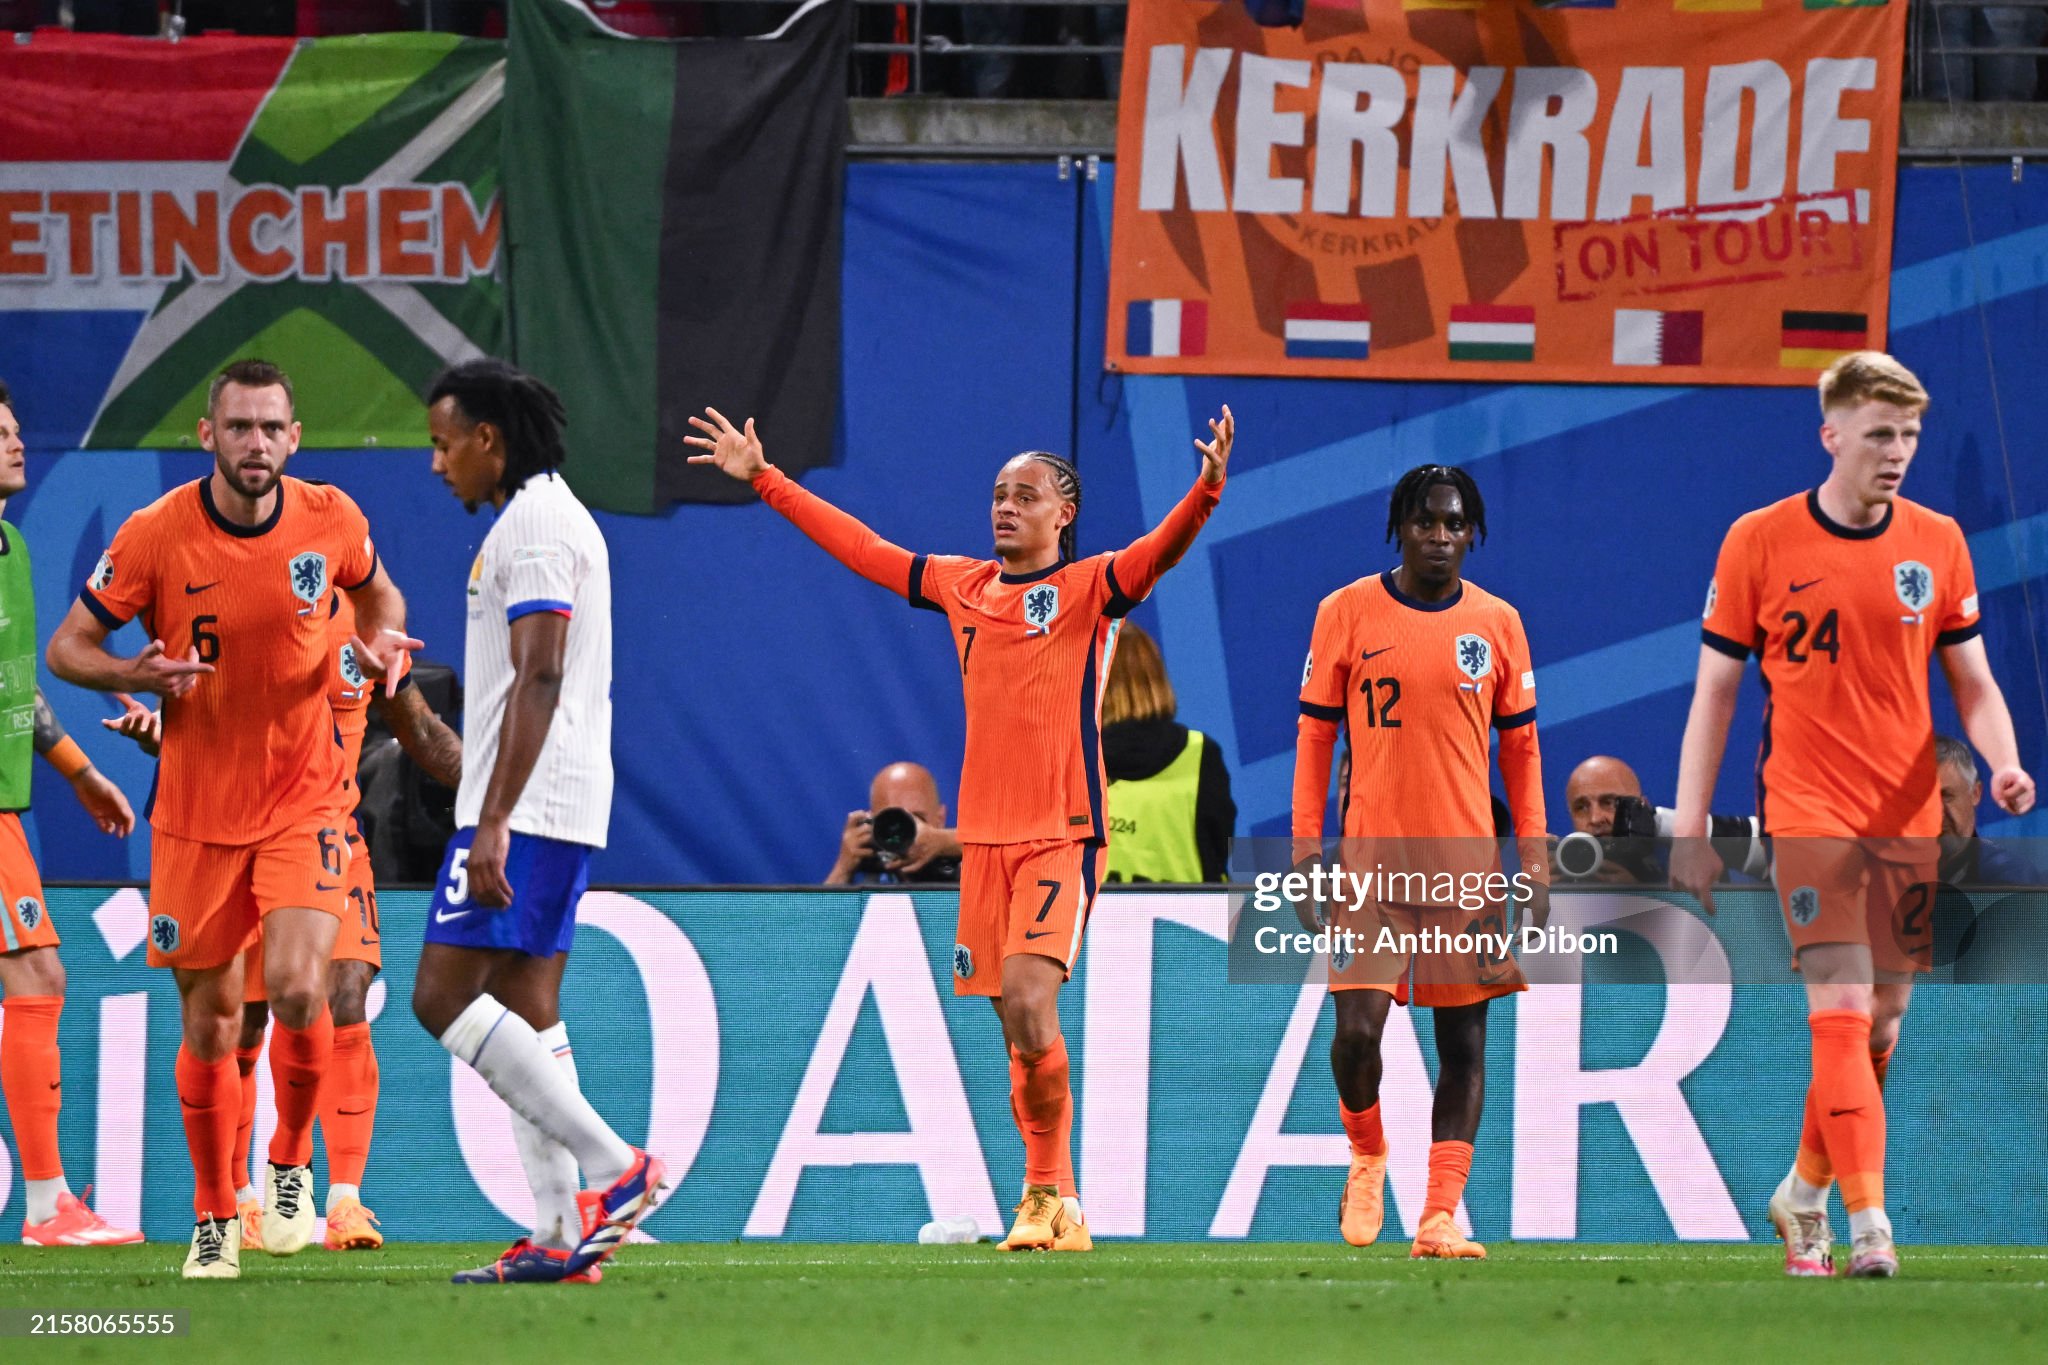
(1034, 627)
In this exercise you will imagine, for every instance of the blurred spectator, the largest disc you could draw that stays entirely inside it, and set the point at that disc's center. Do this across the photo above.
(1170, 812)
(1979, 77)
(1593, 789)
(902, 836)
(1966, 859)
(991, 75)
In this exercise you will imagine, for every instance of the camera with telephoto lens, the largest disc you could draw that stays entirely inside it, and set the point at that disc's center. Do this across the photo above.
(893, 830)
(1639, 828)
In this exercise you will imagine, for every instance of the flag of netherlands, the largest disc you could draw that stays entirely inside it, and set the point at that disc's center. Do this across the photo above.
(1574, 4)
(1167, 327)
(1486, 331)
(1644, 336)
(1328, 331)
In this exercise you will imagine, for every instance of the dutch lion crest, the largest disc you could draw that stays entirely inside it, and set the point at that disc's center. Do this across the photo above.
(1914, 583)
(309, 576)
(1475, 656)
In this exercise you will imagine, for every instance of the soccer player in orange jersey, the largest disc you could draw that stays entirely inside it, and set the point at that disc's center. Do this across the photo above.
(1844, 593)
(1418, 665)
(31, 974)
(1035, 629)
(233, 576)
(348, 1094)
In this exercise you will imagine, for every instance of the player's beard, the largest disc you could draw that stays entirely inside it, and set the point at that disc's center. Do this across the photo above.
(238, 480)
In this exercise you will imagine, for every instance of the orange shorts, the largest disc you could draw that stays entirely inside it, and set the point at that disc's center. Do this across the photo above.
(1878, 892)
(24, 914)
(358, 939)
(1448, 976)
(1021, 898)
(206, 901)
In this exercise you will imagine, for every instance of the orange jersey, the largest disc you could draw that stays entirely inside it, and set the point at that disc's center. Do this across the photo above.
(1843, 622)
(1417, 685)
(252, 748)
(1034, 655)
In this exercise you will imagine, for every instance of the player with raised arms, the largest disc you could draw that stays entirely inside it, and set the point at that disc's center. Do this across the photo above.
(234, 577)
(1417, 665)
(1035, 629)
(535, 801)
(1843, 593)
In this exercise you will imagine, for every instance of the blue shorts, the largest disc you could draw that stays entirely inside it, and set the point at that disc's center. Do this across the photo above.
(548, 877)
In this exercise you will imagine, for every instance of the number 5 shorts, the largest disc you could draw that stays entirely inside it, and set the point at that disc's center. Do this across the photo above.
(206, 901)
(356, 941)
(1021, 898)
(548, 877)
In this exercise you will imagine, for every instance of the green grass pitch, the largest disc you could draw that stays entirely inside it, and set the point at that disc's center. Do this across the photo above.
(1125, 1302)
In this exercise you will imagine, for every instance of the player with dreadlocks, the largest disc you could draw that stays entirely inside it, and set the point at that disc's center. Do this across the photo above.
(1417, 664)
(1035, 627)
(534, 803)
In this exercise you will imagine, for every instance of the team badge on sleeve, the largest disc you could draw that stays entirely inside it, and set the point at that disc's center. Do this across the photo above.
(102, 574)
(1914, 582)
(30, 911)
(309, 577)
(1308, 668)
(1713, 596)
(1041, 605)
(1475, 656)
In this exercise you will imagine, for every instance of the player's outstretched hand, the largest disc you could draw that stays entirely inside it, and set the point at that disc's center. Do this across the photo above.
(2013, 790)
(104, 802)
(153, 670)
(1216, 452)
(388, 657)
(734, 450)
(1695, 867)
(139, 723)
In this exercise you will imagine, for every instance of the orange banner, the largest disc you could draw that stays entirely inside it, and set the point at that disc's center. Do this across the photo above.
(1636, 191)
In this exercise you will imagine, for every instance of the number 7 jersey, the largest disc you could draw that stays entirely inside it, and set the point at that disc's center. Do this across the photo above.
(1843, 621)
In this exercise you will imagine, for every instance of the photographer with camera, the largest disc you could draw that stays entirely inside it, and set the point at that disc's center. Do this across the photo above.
(1620, 838)
(902, 836)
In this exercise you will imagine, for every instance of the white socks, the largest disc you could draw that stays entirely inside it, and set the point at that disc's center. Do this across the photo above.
(337, 1193)
(509, 1055)
(550, 1167)
(1803, 1197)
(42, 1198)
(1868, 1220)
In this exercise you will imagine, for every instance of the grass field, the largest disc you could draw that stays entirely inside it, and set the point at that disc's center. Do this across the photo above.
(1124, 1302)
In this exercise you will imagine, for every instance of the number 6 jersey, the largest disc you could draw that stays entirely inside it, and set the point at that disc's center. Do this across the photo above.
(251, 749)
(1843, 621)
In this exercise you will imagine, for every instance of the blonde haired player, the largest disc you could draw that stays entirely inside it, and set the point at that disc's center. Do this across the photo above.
(1844, 593)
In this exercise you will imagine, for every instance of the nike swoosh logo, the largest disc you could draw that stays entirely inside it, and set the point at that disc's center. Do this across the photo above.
(353, 1112)
(296, 1085)
(1802, 587)
(189, 589)
(55, 1084)
(1374, 653)
(323, 886)
(373, 942)
(441, 918)
(1036, 933)
(1837, 1113)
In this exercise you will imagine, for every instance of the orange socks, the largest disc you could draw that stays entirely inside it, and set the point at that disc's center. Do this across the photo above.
(1847, 1106)
(1450, 1163)
(245, 1122)
(208, 1098)
(298, 1059)
(32, 1079)
(1044, 1105)
(1363, 1128)
(348, 1104)
(1812, 1163)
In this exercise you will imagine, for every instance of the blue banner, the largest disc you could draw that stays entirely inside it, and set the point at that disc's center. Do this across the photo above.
(793, 1054)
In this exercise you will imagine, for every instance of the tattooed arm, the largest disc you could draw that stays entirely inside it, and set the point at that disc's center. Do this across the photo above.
(426, 739)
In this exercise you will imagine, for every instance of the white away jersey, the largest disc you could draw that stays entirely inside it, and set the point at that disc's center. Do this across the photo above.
(544, 554)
